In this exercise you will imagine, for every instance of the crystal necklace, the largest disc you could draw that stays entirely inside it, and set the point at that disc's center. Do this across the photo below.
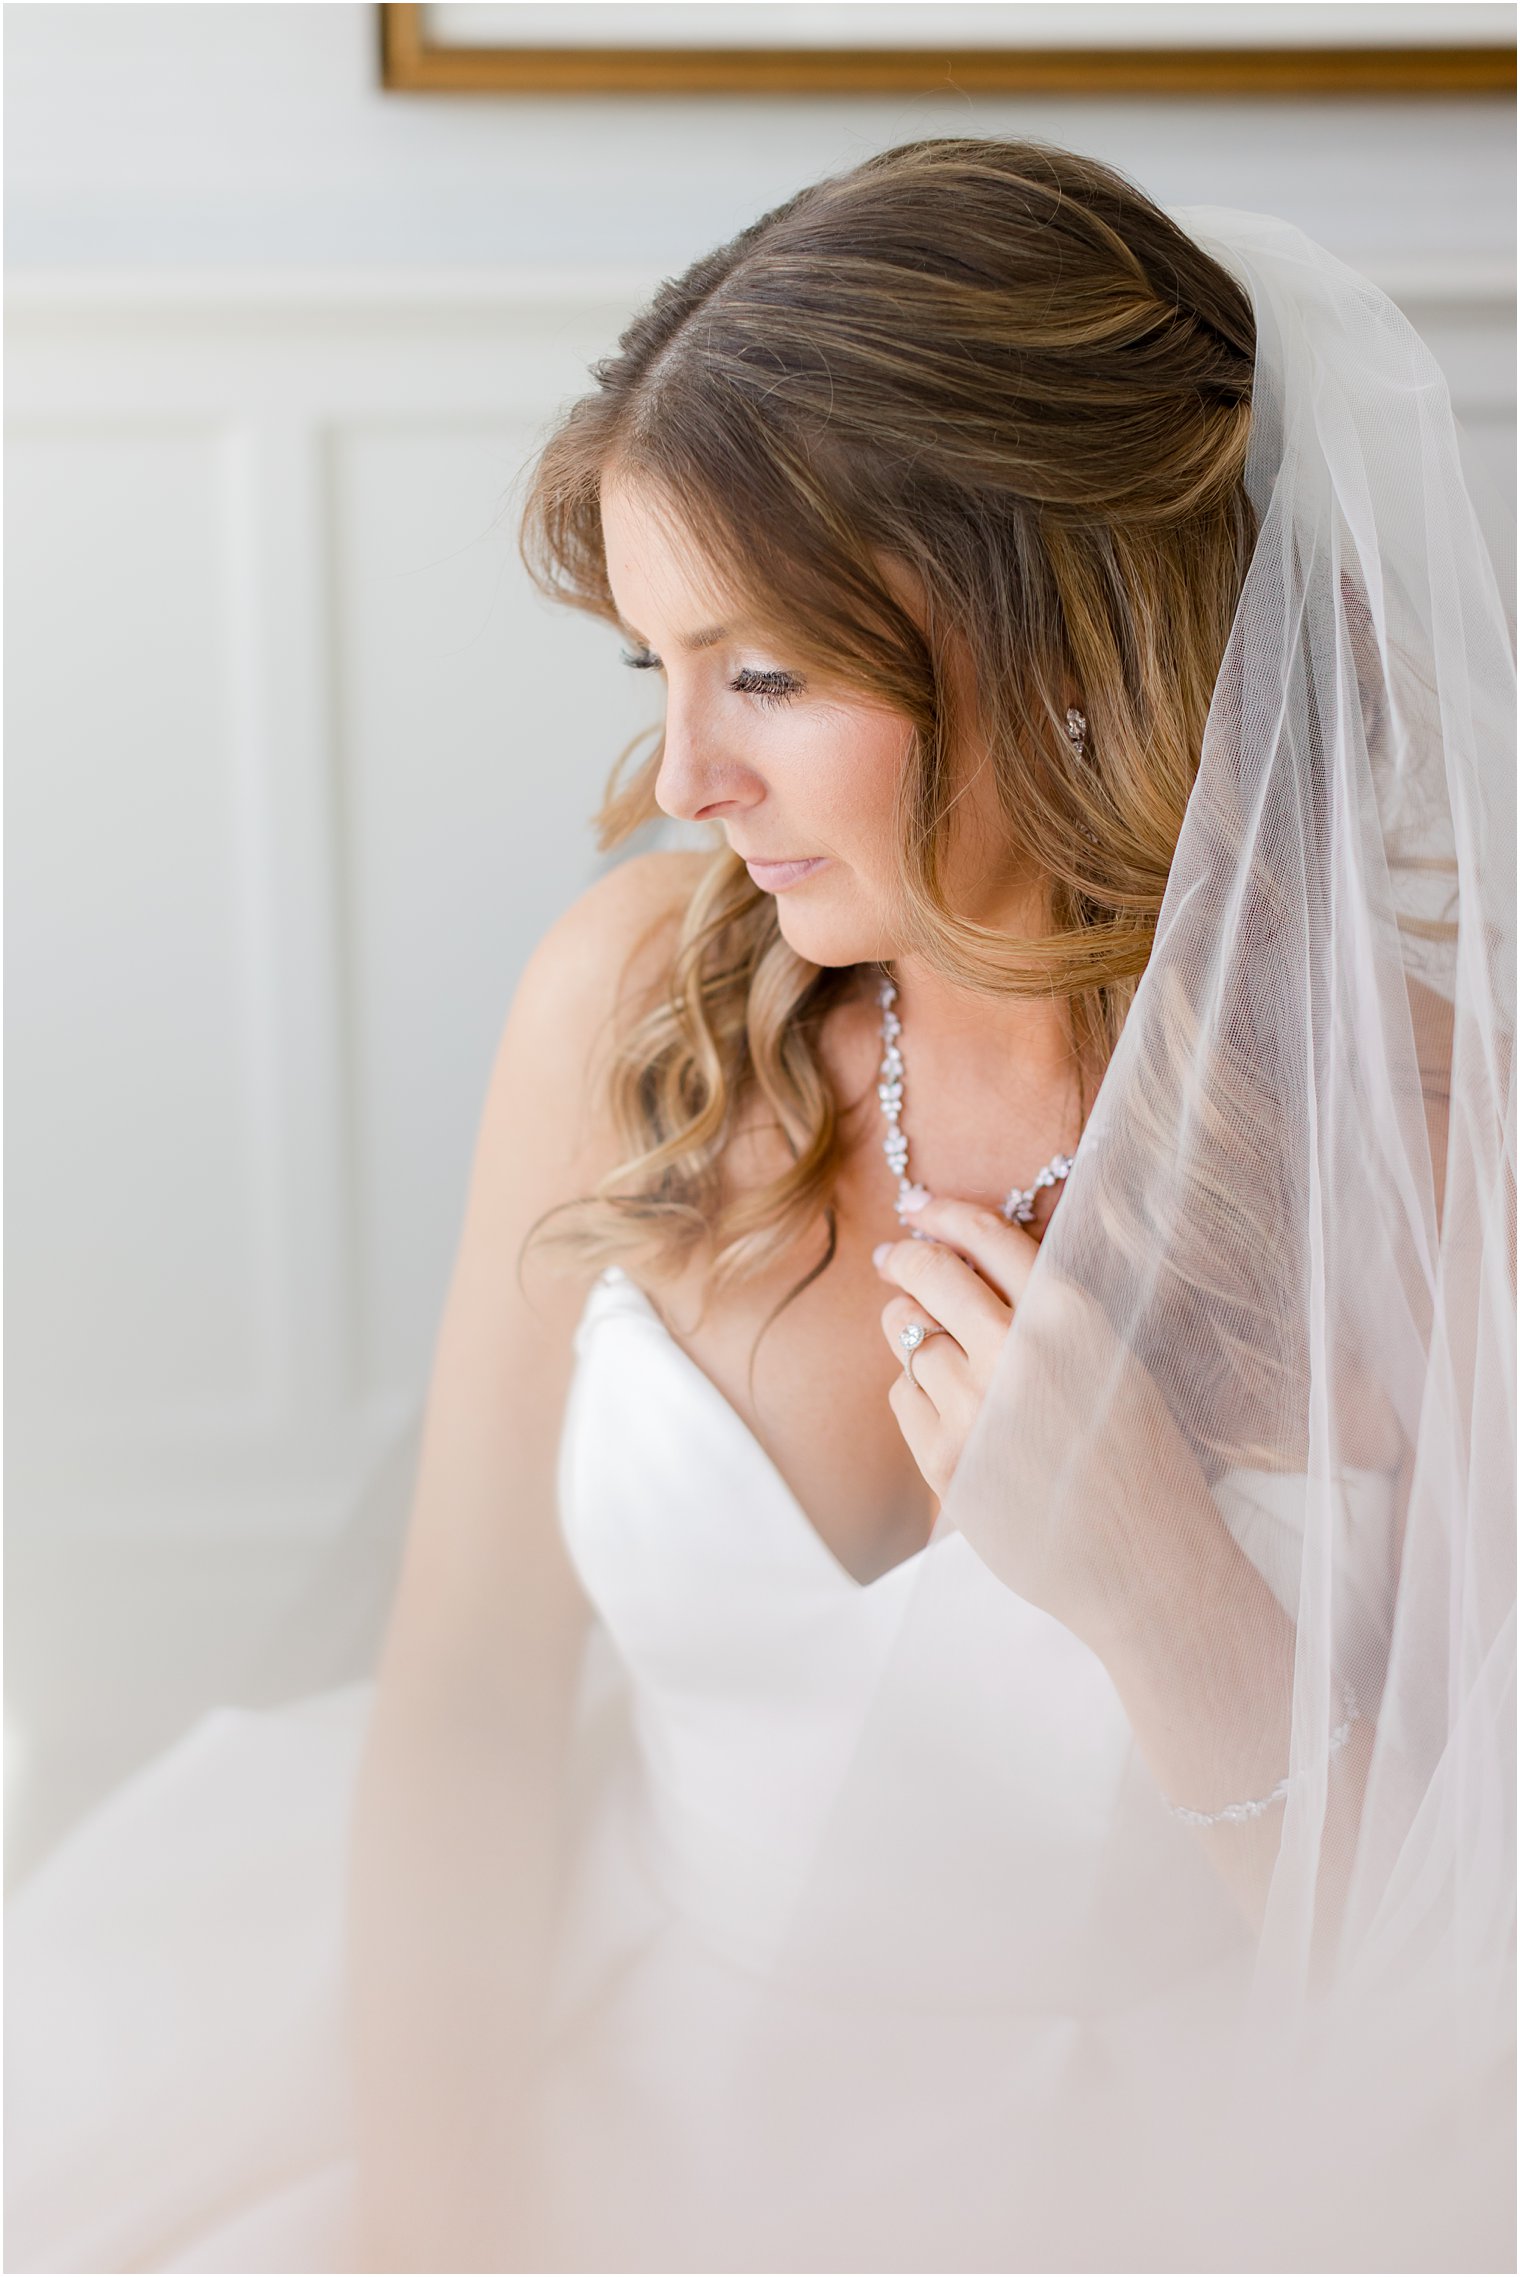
(1017, 1207)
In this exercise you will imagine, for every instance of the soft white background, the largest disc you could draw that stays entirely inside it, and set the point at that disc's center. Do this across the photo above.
(300, 768)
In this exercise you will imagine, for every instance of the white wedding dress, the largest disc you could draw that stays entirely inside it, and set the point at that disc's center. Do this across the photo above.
(175, 2090)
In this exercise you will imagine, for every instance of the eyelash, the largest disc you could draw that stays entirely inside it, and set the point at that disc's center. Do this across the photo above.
(767, 688)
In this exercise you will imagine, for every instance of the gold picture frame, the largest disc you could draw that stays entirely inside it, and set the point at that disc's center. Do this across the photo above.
(412, 64)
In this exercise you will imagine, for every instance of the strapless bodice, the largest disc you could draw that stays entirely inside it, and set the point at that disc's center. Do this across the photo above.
(750, 1661)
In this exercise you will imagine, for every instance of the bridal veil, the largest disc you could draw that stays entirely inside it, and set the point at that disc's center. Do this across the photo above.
(1294, 1208)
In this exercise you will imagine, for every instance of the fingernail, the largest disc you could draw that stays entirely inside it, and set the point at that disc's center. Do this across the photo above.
(880, 1254)
(915, 1198)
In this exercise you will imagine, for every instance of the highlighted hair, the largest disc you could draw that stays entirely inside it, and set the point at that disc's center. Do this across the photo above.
(1002, 367)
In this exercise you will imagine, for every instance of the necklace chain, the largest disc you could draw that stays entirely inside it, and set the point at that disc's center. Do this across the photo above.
(1017, 1206)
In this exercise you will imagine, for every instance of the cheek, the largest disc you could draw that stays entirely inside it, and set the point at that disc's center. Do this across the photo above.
(842, 778)
(839, 790)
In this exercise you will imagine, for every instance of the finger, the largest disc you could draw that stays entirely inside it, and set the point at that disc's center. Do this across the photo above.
(918, 1421)
(949, 1290)
(900, 1312)
(1003, 1254)
(903, 1313)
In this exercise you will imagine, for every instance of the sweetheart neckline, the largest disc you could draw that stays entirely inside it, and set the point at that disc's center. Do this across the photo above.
(616, 1276)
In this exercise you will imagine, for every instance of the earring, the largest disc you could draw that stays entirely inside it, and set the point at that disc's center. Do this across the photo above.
(1076, 731)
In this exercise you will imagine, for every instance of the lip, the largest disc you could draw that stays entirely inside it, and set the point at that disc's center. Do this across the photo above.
(775, 877)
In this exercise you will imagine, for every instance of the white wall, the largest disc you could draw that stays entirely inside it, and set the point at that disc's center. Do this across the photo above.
(299, 767)
(199, 133)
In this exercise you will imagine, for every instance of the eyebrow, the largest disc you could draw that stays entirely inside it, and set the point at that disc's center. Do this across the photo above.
(709, 637)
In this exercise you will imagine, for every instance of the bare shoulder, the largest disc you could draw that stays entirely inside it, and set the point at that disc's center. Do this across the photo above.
(624, 921)
(502, 1362)
(614, 941)
(545, 1135)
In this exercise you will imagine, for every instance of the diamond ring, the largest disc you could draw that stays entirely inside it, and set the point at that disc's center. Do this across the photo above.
(910, 1338)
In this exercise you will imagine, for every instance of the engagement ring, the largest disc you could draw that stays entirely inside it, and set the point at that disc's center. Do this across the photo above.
(917, 1332)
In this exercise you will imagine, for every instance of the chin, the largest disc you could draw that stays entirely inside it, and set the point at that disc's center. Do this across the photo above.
(838, 936)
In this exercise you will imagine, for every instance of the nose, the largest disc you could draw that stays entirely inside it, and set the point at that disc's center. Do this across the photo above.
(698, 781)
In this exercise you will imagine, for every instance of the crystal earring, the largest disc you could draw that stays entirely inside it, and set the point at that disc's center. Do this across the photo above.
(1076, 732)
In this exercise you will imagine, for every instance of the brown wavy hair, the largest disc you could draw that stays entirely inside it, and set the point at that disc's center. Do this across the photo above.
(998, 365)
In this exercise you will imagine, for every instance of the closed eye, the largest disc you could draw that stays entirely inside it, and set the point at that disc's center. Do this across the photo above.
(767, 687)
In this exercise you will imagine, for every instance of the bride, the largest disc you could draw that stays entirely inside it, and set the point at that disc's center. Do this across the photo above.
(947, 1703)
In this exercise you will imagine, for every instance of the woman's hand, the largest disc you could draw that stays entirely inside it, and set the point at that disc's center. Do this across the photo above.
(1100, 1505)
(967, 1279)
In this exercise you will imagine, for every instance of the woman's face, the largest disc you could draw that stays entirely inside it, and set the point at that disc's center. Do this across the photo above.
(801, 777)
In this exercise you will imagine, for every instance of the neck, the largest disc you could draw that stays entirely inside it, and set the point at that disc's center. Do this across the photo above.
(992, 1080)
(959, 1028)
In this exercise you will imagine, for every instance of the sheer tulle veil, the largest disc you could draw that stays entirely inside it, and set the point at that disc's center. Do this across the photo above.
(1292, 1213)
